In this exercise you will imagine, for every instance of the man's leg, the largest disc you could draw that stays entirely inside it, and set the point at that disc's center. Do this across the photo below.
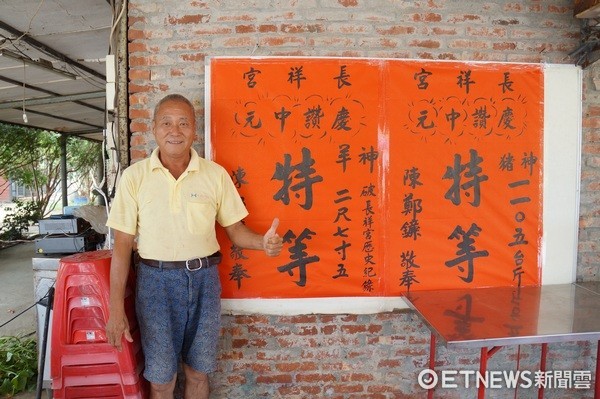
(196, 384)
(161, 313)
(163, 391)
(200, 346)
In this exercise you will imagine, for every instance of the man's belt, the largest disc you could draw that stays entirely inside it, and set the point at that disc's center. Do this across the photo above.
(190, 264)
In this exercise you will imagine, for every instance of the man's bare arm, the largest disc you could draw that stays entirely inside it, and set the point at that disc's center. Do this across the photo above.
(244, 237)
(118, 324)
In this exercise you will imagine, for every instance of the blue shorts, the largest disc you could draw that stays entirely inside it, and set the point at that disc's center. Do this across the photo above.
(179, 314)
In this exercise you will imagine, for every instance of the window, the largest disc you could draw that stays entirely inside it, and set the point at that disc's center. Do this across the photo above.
(18, 190)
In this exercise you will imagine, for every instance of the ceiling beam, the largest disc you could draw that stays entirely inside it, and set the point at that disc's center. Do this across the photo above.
(39, 64)
(48, 50)
(79, 133)
(50, 92)
(62, 118)
(53, 99)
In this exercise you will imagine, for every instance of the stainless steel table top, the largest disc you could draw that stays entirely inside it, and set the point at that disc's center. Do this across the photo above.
(496, 316)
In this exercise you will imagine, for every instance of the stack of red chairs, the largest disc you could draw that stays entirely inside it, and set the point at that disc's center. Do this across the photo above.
(83, 364)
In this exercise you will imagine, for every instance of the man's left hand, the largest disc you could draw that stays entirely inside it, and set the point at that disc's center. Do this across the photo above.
(272, 243)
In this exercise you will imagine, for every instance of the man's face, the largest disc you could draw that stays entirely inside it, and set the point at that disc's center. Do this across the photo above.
(174, 128)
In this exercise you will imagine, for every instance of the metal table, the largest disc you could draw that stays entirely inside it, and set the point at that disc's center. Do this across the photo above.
(493, 317)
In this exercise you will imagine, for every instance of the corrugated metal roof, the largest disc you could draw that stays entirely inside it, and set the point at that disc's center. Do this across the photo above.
(53, 64)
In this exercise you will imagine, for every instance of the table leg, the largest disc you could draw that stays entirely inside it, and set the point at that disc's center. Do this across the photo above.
(543, 369)
(431, 361)
(597, 381)
(482, 367)
(485, 355)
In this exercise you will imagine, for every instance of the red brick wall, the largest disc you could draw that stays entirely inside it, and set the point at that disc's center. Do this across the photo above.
(356, 356)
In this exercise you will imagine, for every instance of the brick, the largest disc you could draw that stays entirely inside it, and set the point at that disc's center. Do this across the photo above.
(239, 343)
(282, 41)
(140, 113)
(441, 31)
(238, 42)
(289, 391)
(300, 319)
(302, 28)
(331, 41)
(259, 368)
(133, 20)
(505, 22)
(496, 32)
(397, 30)
(212, 30)
(236, 379)
(245, 28)
(465, 18)
(135, 88)
(138, 140)
(133, 34)
(328, 330)
(389, 363)
(560, 9)
(425, 43)
(238, 17)
(348, 388)
(189, 45)
(468, 44)
(428, 17)
(176, 72)
(139, 127)
(296, 366)
(137, 47)
(274, 379)
(514, 7)
(315, 378)
(139, 74)
(193, 57)
(268, 330)
(188, 19)
(591, 123)
(504, 46)
(138, 61)
(311, 390)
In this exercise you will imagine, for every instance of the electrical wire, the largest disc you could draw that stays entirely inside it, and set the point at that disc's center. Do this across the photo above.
(116, 23)
(18, 314)
(38, 302)
(24, 84)
(88, 79)
(28, 25)
(16, 41)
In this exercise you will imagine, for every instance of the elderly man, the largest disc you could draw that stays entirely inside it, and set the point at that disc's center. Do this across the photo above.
(170, 202)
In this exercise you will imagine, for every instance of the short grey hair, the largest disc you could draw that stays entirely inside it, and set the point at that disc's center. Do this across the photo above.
(173, 97)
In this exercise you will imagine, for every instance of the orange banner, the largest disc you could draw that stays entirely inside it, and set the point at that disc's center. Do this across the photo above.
(387, 175)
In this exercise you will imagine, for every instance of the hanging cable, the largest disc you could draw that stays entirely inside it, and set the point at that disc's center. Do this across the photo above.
(13, 41)
(24, 80)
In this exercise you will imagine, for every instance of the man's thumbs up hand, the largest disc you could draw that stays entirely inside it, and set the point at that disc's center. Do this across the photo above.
(272, 243)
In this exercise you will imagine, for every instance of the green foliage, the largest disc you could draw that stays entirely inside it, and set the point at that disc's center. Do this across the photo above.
(18, 365)
(32, 158)
(25, 214)
(15, 144)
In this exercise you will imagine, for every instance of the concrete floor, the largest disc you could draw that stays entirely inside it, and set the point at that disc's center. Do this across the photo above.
(17, 294)
(17, 290)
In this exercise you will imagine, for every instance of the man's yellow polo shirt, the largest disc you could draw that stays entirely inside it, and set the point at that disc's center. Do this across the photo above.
(175, 219)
